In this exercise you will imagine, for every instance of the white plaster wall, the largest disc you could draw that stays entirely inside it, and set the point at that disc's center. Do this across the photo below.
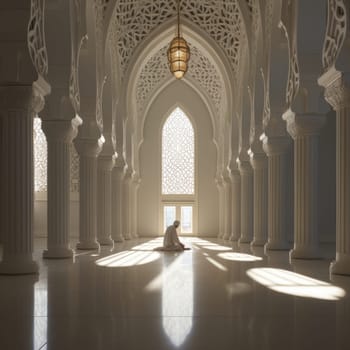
(149, 204)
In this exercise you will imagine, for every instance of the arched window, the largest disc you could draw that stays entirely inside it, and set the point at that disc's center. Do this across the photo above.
(178, 171)
(178, 155)
(40, 157)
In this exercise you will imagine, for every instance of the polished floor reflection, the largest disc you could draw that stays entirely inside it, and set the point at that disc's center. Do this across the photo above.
(216, 296)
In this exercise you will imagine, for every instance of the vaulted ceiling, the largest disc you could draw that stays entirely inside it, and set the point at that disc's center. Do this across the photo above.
(133, 21)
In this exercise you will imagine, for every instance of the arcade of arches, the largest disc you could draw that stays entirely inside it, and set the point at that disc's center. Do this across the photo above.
(102, 148)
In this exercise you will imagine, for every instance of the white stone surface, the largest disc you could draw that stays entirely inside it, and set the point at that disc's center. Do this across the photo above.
(16, 128)
(59, 135)
(247, 204)
(277, 150)
(134, 295)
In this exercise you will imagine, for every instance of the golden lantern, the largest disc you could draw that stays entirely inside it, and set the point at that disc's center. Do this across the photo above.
(178, 52)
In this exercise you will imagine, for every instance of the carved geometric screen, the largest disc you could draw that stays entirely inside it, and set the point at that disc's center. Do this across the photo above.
(40, 157)
(178, 154)
(40, 161)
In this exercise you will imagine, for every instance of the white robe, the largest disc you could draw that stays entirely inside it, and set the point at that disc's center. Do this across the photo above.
(171, 240)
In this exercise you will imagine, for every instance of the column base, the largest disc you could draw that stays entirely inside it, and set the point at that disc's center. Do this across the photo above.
(127, 236)
(244, 240)
(134, 236)
(258, 243)
(277, 246)
(234, 238)
(88, 245)
(118, 239)
(18, 266)
(58, 253)
(226, 237)
(341, 266)
(305, 252)
(106, 241)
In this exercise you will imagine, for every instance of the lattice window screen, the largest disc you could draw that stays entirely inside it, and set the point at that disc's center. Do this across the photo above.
(40, 161)
(178, 154)
(40, 157)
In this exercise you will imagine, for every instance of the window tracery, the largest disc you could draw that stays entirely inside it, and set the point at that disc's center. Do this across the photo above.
(178, 154)
(40, 157)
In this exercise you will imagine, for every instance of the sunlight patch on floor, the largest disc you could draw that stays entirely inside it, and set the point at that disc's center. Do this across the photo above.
(216, 264)
(233, 256)
(128, 258)
(288, 282)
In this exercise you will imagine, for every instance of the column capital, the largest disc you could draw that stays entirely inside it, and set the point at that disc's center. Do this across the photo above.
(236, 176)
(61, 130)
(119, 162)
(276, 145)
(16, 96)
(306, 124)
(135, 178)
(88, 147)
(106, 163)
(127, 173)
(258, 160)
(219, 180)
(337, 88)
(245, 167)
(226, 176)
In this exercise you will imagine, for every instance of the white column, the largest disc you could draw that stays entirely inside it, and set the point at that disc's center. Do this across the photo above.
(117, 175)
(88, 150)
(228, 207)
(134, 186)
(236, 205)
(125, 205)
(277, 150)
(59, 135)
(305, 130)
(219, 184)
(247, 213)
(259, 165)
(104, 199)
(16, 210)
(337, 93)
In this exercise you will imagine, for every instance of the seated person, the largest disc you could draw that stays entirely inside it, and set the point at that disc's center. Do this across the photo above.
(171, 240)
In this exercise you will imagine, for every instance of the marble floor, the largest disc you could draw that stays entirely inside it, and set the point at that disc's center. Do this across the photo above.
(216, 296)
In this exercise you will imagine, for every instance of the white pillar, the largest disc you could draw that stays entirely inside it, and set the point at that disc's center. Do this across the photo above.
(277, 150)
(337, 94)
(88, 150)
(16, 210)
(125, 205)
(247, 214)
(305, 130)
(134, 186)
(236, 205)
(104, 199)
(219, 184)
(228, 207)
(259, 165)
(117, 175)
(59, 135)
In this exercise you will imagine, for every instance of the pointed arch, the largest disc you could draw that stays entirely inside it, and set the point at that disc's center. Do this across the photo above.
(178, 154)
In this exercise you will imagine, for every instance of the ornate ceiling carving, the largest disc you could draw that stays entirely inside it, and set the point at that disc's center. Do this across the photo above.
(134, 20)
(201, 70)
